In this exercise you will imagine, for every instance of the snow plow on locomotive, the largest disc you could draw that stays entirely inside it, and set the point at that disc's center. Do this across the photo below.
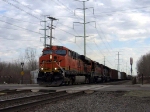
(59, 65)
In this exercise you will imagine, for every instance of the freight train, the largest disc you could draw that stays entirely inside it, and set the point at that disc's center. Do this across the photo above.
(59, 65)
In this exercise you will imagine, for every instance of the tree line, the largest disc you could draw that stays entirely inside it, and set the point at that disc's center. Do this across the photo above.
(10, 72)
(143, 65)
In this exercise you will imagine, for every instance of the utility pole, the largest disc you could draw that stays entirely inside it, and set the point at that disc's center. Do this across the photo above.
(84, 29)
(51, 28)
(44, 31)
(104, 60)
(84, 23)
(126, 67)
(131, 62)
(118, 61)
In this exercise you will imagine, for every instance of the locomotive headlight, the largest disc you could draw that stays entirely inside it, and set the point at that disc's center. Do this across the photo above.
(50, 56)
(42, 68)
(55, 68)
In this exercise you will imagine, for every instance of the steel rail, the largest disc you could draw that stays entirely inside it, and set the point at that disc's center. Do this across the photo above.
(115, 82)
(20, 99)
(39, 102)
(13, 91)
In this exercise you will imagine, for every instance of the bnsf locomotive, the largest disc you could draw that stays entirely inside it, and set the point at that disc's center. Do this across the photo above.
(60, 65)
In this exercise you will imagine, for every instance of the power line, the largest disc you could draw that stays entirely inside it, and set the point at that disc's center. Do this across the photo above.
(72, 42)
(19, 20)
(84, 23)
(101, 37)
(101, 52)
(23, 5)
(9, 28)
(69, 33)
(102, 33)
(20, 27)
(66, 31)
(33, 46)
(21, 9)
(67, 8)
(16, 39)
(123, 10)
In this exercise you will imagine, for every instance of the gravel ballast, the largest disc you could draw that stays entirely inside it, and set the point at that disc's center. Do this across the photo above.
(7, 97)
(101, 101)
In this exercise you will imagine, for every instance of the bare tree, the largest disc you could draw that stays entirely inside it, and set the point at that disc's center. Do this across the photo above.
(30, 56)
(143, 65)
(2, 65)
(10, 72)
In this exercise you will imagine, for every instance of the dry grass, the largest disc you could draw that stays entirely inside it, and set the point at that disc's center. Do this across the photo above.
(145, 80)
(138, 93)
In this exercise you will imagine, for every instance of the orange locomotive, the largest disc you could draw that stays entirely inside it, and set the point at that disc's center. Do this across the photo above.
(59, 65)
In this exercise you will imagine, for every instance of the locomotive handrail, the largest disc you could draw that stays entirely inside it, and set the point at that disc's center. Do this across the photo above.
(60, 68)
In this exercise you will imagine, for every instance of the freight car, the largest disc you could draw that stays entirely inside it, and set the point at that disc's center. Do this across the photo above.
(59, 65)
(123, 76)
(129, 77)
(114, 75)
(117, 75)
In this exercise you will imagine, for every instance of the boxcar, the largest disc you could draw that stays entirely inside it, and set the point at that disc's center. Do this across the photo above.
(114, 74)
(123, 76)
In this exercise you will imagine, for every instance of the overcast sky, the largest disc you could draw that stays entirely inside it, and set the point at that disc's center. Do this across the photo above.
(121, 26)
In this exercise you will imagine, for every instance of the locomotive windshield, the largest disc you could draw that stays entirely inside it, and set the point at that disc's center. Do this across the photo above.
(47, 52)
(60, 52)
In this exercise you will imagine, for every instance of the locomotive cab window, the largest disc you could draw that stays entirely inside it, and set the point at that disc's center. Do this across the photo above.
(74, 55)
(69, 53)
(61, 52)
(47, 52)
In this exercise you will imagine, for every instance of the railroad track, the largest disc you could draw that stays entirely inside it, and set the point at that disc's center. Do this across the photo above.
(14, 91)
(117, 82)
(19, 104)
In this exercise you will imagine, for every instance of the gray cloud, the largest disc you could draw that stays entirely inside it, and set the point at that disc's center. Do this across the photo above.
(116, 20)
